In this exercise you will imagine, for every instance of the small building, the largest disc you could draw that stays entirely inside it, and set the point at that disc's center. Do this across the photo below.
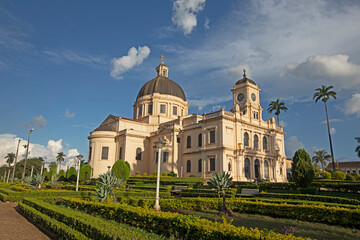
(237, 141)
(346, 167)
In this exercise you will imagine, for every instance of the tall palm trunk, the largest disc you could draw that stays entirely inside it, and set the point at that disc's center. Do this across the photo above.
(331, 148)
(278, 120)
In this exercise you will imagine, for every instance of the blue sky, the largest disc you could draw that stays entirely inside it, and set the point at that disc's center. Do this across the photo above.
(66, 65)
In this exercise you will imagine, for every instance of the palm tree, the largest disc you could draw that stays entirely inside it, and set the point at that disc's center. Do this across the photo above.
(10, 158)
(60, 158)
(357, 149)
(321, 157)
(277, 106)
(221, 181)
(324, 93)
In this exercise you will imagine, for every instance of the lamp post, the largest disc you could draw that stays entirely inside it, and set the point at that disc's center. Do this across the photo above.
(159, 145)
(78, 158)
(32, 170)
(26, 156)
(17, 152)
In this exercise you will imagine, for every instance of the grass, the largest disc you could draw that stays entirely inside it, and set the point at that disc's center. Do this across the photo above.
(303, 229)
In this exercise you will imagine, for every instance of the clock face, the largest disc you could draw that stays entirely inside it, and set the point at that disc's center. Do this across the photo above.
(240, 97)
(253, 97)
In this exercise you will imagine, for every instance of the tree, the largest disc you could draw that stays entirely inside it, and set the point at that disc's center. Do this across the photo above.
(60, 158)
(121, 170)
(10, 158)
(357, 149)
(302, 169)
(277, 106)
(71, 174)
(324, 93)
(62, 175)
(52, 165)
(322, 157)
(221, 181)
(85, 172)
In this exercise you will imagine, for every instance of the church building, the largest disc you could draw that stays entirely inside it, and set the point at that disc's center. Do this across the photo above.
(236, 141)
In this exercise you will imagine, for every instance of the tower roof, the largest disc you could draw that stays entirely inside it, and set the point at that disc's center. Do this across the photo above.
(245, 79)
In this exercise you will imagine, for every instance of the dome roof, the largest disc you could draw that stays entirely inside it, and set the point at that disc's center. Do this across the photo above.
(162, 85)
(245, 79)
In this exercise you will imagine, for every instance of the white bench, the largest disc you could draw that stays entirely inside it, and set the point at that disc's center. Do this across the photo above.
(177, 189)
(247, 192)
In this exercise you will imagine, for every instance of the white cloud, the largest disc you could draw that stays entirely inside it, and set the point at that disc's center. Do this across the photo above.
(282, 123)
(331, 120)
(333, 68)
(292, 144)
(68, 114)
(237, 72)
(201, 103)
(332, 131)
(71, 56)
(184, 14)
(206, 24)
(39, 122)
(352, 106)
(134, 58)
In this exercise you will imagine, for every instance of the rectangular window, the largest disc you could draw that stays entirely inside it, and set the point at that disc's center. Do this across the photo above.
(156, 156)
(212, 164)
(165, 156)
(105, 153)
(90, 151)
(140, 111)
(150, 109)
(212, 136)
(162, 108)
(174, 110)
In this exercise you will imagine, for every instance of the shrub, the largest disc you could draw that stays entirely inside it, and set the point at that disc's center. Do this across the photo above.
(193, 175)
(164, 174)
(326, 175)
(144, 174)
(36, 181)
(350, 177)
(71, 174)
(121, 170)
(154, 173)
(85, 172)
(339, 175)
(62, 175)
(302, 168)
(172, 174)
(309, 190)
(106, 184)
(51, 174)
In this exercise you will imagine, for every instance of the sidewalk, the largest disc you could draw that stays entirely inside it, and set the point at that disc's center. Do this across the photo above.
(13, 226)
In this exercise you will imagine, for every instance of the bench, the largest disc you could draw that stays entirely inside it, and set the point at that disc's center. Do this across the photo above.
(177, 189)
(247, 192)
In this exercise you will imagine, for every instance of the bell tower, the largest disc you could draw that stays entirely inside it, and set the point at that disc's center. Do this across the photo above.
(246, 99)
(162, 69)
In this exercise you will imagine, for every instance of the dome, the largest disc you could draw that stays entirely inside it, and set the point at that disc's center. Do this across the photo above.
(245, 79)
(162, 85)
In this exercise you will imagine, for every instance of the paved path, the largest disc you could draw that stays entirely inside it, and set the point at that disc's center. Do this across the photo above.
(14, 226)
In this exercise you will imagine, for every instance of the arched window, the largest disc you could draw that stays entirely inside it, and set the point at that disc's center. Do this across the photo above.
(246, 139)
(266, 169)
(188, 166)
(120, 153)
(199, 165)
(281, 171)
(264, 143)
(229, 167)
(247, 168)
(200, 140)
(257, 168)
(256, 141)
(188, 142)
(138, 154)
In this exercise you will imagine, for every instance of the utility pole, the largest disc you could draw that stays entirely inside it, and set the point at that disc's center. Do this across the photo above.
(17, 152)
(26, 156)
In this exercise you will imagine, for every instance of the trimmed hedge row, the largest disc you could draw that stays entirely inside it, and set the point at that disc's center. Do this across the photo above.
(13, 196)
(210, 193)
(172, 224)
(338, 187)
(81, 188)
(61, 230)
(168, 180)
(150, 188)
(90, 226)
(316, 198)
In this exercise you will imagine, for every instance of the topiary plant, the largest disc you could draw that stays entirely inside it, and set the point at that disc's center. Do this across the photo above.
(62, 175)
(144, 174)
(302, 169)
(121, 170)
(154, 173)
(326, 175)
(164, 174)
(172, 174)
(85, 172)
(71, 174)
(339, 175)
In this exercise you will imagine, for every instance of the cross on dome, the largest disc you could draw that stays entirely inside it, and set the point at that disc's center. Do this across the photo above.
(162, 57)
(244, 73)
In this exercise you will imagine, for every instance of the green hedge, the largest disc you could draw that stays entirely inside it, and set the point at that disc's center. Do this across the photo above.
(172, 224)
(61, 230)
(92, 227)
(81, 188)
(168, 180)
(338, 187)
(210, 193)
(316, 198)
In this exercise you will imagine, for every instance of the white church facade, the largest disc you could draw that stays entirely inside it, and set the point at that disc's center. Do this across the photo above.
(236, 141)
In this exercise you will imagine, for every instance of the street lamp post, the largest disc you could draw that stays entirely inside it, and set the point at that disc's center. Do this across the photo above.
(26, 156)
(78, 158)
(17, 152)
(159, 145)
(32, 170)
